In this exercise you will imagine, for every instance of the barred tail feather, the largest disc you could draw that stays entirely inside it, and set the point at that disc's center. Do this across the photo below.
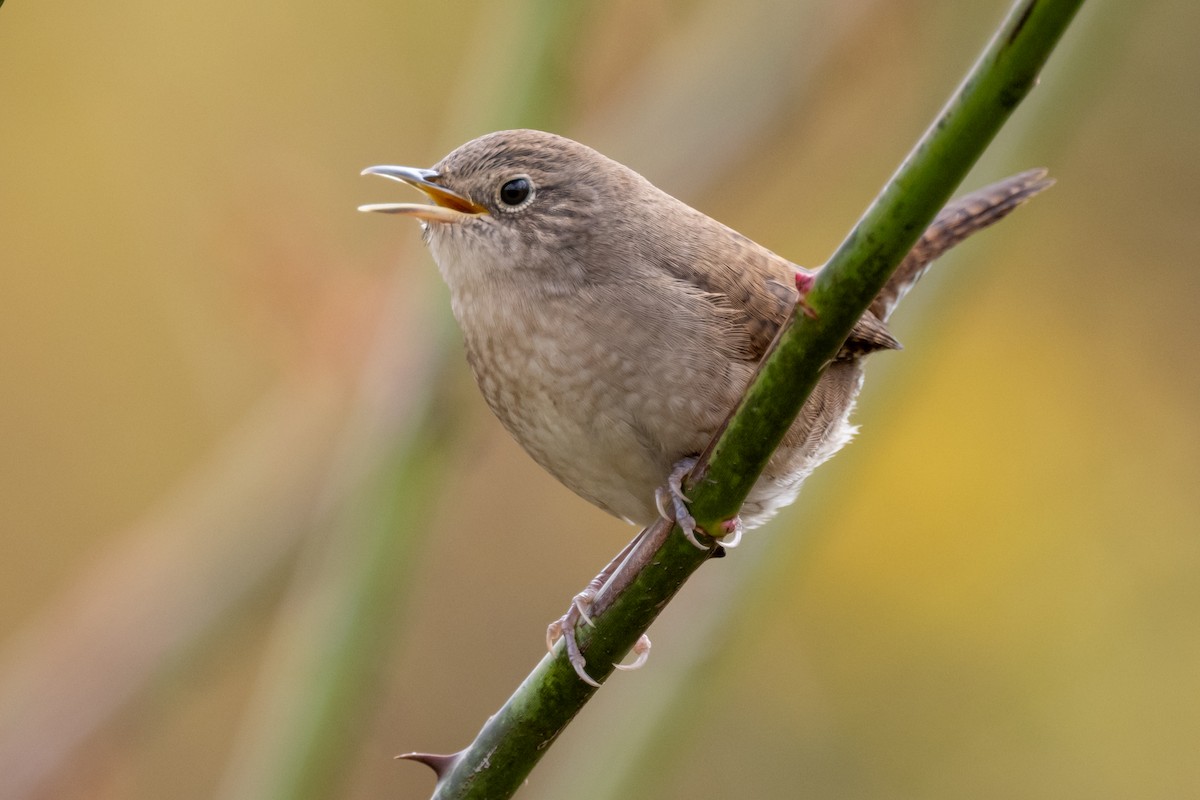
(957, 221)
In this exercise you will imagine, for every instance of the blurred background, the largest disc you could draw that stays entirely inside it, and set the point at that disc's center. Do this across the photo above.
(260, 533)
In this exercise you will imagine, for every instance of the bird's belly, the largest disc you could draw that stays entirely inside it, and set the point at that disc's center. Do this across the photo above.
(574, 412)
(610, 421)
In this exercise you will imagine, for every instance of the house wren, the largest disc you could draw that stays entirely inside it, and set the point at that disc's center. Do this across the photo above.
(612, 328)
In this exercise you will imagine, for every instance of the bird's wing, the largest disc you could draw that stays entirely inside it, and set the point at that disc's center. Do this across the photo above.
(759, 286)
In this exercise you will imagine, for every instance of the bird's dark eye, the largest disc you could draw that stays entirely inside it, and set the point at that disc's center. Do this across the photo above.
(516, 191)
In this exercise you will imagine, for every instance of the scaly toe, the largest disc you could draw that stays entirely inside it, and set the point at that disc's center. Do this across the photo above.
(582, 603)
(675, 479)
(553, 631)
(679, 501)
(564, 627)
(578, 662)
(686, 523)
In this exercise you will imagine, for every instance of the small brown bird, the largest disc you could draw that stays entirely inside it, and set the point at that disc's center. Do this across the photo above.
(612, 327)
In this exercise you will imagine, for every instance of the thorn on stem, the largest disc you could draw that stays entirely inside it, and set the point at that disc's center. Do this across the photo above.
(440, 764)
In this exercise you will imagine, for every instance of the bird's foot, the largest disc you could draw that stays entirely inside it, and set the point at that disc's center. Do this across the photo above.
(804, 282)
(683, 518)
(581, 611)
(564, 627)
(678, 510)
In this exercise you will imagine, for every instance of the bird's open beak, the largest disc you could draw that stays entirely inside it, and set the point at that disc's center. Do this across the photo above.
(451, 206)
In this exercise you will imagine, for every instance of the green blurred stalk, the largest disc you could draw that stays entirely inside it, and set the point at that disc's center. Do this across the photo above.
(539, 84)
(514, 739)
(335, 629)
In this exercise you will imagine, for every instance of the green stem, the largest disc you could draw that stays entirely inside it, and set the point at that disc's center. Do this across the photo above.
(514, 739)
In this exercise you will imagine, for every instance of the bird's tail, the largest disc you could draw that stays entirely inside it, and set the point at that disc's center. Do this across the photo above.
(957, 221)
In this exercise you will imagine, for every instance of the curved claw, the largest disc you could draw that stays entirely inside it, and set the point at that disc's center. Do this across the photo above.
(686, 523)
(688, 526)
(641, 649)
(680, 513)
(578, 662)
(675, 479)
(582, 603)
(660, 501)
(732, 527)
(564, 627)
